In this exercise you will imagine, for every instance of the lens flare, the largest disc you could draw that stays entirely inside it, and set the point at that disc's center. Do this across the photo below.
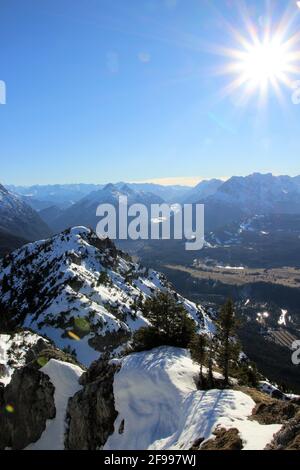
(9, 409)
(73, 336)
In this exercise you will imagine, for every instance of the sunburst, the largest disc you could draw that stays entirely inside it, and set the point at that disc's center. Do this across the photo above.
(265, 58)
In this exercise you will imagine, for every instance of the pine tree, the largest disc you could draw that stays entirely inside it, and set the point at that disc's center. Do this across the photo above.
(170, 323)
(198, 347)
(103, 279)
(210, 360)
(5, 284)
(247, 374)
(229, 347)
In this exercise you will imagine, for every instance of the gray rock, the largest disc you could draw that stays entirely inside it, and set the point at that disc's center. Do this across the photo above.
(91, 412)
(45, 350)
(26, 404)
(110, 340)
(288, 438)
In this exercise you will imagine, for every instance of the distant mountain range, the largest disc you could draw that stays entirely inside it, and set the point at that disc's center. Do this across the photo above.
(65, 195)
(63, 206)
(259, 193)
(256, 194)
(61, 195)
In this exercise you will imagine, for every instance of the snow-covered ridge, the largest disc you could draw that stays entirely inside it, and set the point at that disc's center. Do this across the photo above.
(260, 192)
(76, 280)
(160, 408)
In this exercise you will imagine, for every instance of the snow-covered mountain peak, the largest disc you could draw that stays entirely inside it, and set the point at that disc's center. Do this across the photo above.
(80, 291)
(261, 193)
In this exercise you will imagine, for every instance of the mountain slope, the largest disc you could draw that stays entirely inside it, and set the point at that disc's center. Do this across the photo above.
(171, 194)
(84, 211)
(9, 242)
(64, 195)
(80, 292)
(50, 214)
(260, 194)
(203, 190)
(20, 219)
(61, 195)
(251, 195)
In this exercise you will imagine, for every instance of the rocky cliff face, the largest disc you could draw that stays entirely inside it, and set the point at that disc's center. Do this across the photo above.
(288, 438)
(26, 404)
(91, 413)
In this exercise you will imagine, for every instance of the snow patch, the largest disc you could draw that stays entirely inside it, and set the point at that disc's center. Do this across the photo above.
(64, 377)
(156, 396)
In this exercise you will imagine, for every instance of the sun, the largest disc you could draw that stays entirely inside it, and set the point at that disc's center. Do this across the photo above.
(264, 63)
(263, 58)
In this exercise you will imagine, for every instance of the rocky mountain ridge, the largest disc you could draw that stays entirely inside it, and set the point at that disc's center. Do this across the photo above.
(81, 292)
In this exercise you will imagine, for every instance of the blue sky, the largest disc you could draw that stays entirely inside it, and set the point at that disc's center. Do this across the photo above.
(102, 90)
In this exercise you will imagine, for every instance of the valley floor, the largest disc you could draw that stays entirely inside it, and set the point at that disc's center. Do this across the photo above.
(238, 276)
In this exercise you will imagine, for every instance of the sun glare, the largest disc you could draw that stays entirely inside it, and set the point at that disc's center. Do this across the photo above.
(263, 63)
(264, 58)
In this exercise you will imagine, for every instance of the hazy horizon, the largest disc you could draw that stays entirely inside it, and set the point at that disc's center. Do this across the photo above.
(172, 181)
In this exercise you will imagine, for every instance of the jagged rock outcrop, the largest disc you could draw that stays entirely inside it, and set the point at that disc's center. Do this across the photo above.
(276, 412)
(26, 404)
(25, 348)
(226, 439)
(42, 351)
(91, 412)
(288, 438)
